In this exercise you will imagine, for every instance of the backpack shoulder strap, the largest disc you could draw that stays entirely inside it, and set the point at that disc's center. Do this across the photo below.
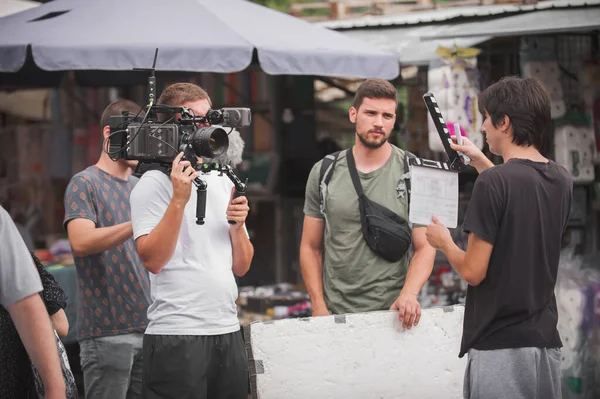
(326, 171)
(327, 167)
(407, 156)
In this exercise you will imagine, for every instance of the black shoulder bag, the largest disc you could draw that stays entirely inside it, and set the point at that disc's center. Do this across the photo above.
(385, 232)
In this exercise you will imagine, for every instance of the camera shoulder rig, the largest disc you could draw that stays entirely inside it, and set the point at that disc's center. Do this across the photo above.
(204, 168)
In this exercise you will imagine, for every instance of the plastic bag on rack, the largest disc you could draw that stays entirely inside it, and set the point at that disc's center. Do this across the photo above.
(577, 288)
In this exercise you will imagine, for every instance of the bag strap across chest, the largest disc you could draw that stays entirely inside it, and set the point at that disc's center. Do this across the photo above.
(328, 166)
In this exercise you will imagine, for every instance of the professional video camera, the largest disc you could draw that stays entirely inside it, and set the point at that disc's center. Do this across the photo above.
(164, 131)
(159, 136)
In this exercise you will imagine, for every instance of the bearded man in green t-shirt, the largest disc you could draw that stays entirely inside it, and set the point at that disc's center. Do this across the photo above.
(349, 277)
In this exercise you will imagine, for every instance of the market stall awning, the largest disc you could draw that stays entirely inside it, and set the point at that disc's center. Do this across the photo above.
(191, 35)
(8, 7)
(406, 43)
(530, 23)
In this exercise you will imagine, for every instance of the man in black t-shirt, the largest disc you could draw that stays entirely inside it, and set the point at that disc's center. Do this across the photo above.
(516, 217)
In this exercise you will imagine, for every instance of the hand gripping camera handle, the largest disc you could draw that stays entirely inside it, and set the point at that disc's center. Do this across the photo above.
(239, 192)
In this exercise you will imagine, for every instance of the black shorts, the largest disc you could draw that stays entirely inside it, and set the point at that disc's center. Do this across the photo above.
(195, 367)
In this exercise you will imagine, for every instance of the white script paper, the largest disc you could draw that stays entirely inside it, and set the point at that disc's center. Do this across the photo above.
(434, 192)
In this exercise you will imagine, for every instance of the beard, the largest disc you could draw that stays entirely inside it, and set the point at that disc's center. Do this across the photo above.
(373, 144)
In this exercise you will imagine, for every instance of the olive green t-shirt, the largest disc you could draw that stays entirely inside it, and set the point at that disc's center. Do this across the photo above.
(355, 279)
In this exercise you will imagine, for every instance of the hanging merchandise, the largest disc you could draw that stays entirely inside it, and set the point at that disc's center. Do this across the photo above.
(575, 149)
(538, 61)
(577, 292)
(454, 81)
(589, 79)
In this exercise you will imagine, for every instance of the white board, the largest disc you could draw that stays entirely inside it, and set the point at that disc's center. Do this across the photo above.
(362, 356)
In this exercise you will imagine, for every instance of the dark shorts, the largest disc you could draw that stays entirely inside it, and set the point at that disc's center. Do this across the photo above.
(195, 367)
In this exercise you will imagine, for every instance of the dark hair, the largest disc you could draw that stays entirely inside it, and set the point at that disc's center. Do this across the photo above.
(375, 88)
(527, 104)
(179, 93)
(116, 108)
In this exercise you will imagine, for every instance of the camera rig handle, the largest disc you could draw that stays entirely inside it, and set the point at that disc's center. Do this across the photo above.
(201, 200)
(240, 188)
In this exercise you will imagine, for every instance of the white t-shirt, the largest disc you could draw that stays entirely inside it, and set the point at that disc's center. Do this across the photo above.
(195, 293)
(19, 277)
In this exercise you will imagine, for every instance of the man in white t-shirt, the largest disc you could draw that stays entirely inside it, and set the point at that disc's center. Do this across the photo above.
(193, 346)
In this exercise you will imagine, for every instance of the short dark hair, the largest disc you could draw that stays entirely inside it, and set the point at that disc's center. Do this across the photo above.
(527, 104)
(179, 93)
(116, 108)
(375, 88)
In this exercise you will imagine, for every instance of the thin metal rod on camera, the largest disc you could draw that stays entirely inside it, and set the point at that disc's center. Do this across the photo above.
(154, 63)
(239, 186)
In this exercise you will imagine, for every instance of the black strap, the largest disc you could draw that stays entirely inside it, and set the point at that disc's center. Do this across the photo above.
(332, 159)
(407, 180)
(353, 172)
(327, 167)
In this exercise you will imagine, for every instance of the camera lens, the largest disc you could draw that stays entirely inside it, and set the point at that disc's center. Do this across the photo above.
(209, 142)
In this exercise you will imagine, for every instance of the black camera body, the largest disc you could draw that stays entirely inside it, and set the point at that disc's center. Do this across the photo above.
(149, 140)
(164, 131)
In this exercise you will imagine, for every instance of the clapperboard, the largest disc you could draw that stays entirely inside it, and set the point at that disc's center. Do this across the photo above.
(434, 184)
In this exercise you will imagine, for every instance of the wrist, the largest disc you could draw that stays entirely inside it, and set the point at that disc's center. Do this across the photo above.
(178, 203)
(482, 163)
(408, 290)
(55, 388)
(447, 246)
(318, 303)
(237, 227)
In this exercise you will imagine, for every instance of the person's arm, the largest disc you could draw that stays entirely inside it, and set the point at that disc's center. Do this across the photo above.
(311, 243)
(54, 298)
(33, 325)
(482, 221)
(20, 285)
(419, 270)
(87, 239)
(156, 247)
(242, 249)
(81, 218)
(472, 264)
(60, 323)
(478, 159)
(311, 263)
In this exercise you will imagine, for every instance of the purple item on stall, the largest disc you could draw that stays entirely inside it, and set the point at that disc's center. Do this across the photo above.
(591, 309)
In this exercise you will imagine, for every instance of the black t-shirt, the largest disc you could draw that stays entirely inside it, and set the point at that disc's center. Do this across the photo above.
(522, 208)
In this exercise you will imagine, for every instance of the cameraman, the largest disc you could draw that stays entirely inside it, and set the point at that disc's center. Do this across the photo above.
(193, 347)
